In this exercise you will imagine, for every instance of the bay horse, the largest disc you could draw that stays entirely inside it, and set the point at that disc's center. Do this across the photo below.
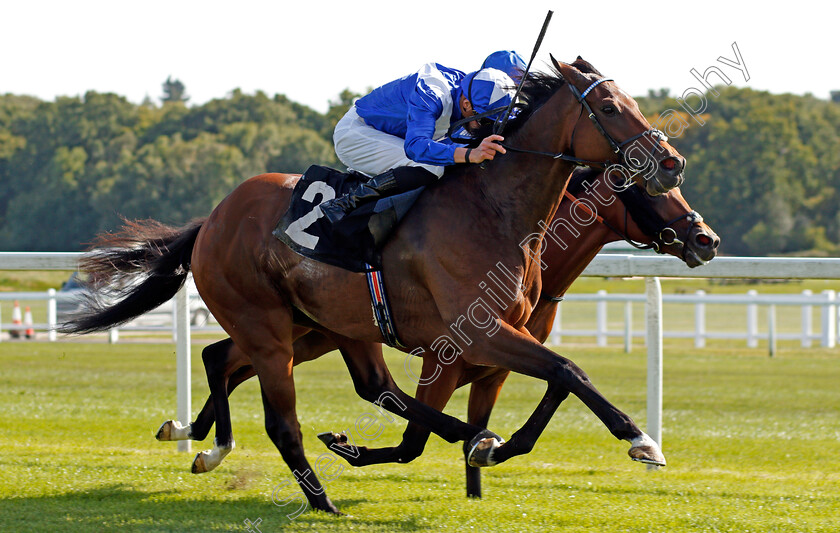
(464, 227)
(666, 222)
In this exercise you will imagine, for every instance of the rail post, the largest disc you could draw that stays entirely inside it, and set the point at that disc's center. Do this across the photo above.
(628, 327)
(807, 322)
(556, 338)
(771, 329)
(700, 321)
(601, 314)
(828, 319)
(752, 321)
(183, 365)
(52, 315)
(653, 314)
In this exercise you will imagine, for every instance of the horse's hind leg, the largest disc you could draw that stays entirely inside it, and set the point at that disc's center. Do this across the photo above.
(200, 427)
(483, 396)
(282, 427)
(226, 368)
(223, 365)
(374, 383)
(435, 394)
(268, 344)
(223, 362)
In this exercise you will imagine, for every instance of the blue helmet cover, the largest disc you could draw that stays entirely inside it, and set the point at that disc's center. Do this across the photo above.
(487, 89)
(507, 61)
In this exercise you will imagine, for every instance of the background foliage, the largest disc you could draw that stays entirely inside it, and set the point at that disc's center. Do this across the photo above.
(763, 170)
(72, 167)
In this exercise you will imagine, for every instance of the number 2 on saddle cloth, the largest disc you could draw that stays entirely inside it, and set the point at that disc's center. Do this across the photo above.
(354, 242)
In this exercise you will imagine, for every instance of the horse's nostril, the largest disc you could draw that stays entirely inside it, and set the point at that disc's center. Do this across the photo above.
(703, 240)
(669, 163)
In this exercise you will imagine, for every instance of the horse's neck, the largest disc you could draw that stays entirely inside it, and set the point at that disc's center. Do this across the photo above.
(530, 186)
(564, 266)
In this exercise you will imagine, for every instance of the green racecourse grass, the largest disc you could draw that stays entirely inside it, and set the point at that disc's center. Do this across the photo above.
(753, 444)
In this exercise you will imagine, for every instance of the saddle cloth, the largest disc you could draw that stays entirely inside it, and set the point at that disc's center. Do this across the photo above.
(355, 242)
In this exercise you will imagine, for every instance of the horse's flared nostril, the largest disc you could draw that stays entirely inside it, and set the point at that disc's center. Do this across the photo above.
(706, 241)
(672, 165)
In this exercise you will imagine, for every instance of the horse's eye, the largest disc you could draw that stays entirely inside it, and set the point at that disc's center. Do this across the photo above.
(608, 110)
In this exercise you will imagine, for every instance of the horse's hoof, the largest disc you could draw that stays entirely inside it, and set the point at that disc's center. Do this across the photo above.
(165, 431)
(482, 447)
(173, 430)
(199, 466)
(209, 459)
(330, 438)
(646, 450)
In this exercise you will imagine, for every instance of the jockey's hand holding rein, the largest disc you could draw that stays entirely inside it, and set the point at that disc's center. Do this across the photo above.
(485, 151)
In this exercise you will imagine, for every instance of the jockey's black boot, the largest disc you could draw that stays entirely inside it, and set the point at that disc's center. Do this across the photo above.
(395, 181)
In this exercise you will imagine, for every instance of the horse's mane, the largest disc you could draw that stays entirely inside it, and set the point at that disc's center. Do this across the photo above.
(536, 91)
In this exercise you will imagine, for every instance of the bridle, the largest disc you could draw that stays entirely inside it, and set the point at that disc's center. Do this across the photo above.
(650, 223)
(617, 147)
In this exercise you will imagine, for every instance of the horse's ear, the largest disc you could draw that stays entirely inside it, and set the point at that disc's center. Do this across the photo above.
(568, 72)
(585, 66)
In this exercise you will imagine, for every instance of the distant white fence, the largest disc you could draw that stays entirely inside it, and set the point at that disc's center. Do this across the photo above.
(52, 297)
(608, 265)
(826, 302)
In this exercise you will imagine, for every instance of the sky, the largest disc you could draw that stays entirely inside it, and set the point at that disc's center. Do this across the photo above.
(312, 50)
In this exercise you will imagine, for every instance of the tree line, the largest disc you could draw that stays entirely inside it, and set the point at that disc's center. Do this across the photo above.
(763, 169)
(71, 168)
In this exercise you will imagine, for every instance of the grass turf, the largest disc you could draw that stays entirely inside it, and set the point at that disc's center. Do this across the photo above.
(753, 445)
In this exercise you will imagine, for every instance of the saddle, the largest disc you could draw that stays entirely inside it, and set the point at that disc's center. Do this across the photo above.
(355, 242)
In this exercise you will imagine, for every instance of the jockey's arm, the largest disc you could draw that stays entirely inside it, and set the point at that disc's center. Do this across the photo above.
(425, 109)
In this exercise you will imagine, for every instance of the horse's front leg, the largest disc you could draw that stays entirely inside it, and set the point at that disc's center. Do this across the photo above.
(518, 351)
(435, 388)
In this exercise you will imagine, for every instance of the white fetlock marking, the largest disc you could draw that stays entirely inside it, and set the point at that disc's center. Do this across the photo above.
(179, 432)
(644, 440)
(213, 458)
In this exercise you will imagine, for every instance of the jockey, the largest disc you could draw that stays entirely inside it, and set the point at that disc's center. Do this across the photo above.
(397, 133)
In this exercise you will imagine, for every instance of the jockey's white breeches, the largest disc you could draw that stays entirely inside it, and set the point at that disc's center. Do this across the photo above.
(370, 151)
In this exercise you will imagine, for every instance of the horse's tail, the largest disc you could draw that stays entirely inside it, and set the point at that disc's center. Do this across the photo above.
(131, 272)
